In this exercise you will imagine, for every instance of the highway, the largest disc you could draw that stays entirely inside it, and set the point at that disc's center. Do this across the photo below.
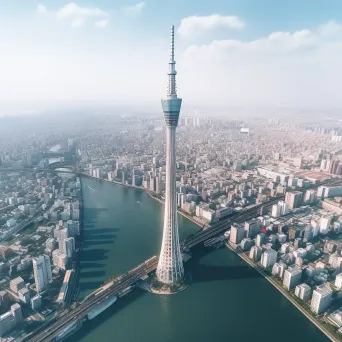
(61, 322)
(121, 283)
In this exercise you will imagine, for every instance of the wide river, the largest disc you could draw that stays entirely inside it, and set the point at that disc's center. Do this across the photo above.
(227, 300)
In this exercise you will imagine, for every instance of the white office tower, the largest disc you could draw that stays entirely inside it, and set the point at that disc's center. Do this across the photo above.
(280, 209)
(42, 272)
(292, 277)
(284, 208)
(278, 269)
(324, 224)
(275, 210)
(170, 266)
(321, 299)
(315, 228)
(67, 247)
(268, 258)
(338, 281)
(255, 253)
(259, 240)
(237, 233)
(303, 291)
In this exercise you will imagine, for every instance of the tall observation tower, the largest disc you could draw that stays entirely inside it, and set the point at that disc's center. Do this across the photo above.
(170, 269)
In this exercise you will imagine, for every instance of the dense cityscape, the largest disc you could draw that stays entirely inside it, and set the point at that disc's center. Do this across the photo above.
(295, 242)
(217, 216)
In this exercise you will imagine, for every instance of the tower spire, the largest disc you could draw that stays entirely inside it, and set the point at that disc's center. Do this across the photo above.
(171, 89)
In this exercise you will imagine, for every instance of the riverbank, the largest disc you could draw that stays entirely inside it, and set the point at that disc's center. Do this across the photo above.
(192, 219)
(284, 293)
(78, 246)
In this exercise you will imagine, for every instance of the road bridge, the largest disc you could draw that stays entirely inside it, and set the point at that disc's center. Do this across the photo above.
(26, 169)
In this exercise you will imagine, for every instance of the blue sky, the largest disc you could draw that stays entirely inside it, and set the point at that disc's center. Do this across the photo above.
(236, 52)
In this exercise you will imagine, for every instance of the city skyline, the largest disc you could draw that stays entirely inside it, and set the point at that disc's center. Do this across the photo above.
(102, 202)
(86, 53)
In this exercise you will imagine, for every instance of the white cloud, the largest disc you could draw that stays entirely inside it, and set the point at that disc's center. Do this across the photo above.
(101, 23)
(77, 15)
(193, 25)
(41, 9)
(77, 22)
(135, 9)
(282, 68)
(72, 10)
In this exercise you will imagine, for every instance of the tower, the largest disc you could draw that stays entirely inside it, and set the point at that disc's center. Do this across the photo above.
(42, 272)
(170, 266)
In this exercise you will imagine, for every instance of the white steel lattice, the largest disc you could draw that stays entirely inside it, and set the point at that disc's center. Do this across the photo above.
(170, 266)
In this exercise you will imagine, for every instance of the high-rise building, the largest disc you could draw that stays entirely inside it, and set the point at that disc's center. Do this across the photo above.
(255, 253)
(10, 319)
(170, 268)
(303, 291)
(338, 281)
(293, 199)
(268, 258)
(252, 228)
(246, 244)
(36, 302)
(237, 233)
(51, 244)
(4, 301)
(278, 269)
(275, 210)
(260, 238)
(324, 224)
(310, 196)
(42, 272)
(67, 247)
(152, 183)
(321, 299)
(158, 185)
(59, 259)
(292, 277)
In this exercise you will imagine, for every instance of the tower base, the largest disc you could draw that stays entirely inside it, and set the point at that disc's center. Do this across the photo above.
(153, 285)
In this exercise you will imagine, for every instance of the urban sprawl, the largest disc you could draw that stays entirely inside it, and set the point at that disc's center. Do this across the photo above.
(223, 168)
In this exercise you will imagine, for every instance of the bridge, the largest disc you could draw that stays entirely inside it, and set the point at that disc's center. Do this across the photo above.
(37, 169)
(55, 330)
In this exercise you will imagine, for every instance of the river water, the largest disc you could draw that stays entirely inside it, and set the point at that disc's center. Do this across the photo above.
(227, 300)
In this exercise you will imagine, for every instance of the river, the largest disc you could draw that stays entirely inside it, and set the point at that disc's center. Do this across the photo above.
(227, 300)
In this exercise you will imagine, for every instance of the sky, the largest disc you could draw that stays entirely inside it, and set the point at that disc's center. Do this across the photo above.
(56, 53)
